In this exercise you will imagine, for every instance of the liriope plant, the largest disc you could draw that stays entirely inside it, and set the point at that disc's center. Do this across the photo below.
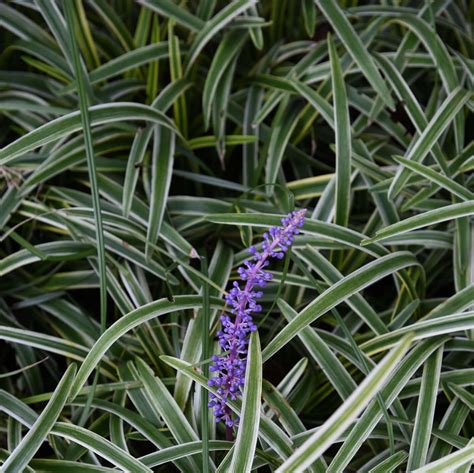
(146, 145)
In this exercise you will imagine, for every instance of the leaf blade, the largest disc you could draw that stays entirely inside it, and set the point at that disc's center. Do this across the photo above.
(247, 434)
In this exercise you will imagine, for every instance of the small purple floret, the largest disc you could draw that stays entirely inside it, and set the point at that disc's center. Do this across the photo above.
(229, 368)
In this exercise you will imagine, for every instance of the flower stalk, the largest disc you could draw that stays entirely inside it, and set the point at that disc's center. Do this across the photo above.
(229, 366)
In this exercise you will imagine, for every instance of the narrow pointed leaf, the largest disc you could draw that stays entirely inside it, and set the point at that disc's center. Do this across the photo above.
(247, 434)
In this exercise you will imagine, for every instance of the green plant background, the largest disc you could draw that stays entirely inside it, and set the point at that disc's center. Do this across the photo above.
(146, 144)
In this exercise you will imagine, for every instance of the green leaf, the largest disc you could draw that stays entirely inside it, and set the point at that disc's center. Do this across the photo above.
(331, 275)
(210, 142)
(315, 227)
(56, 23)
(322, 355)
(229, 47)
(390, 464)
(162, 170)
(442, 59)
(176, 73)
(214, 25)
(220, 110)
(283, 126)
(343, 139)
(59, 466)
(256, 33)
(126, 62)
(183, 450)
(32, 441)
(441, 120)
(355, 48)
(63, 126)
(446, 213)
(13, 20)
(322, 439)
(437, 178)
(280, 406)
(426, 328)
(226, 461)
(169, 9)
(91, 164)
(114, 23)
(101, 446)
(86, 40)
(137, 153)
(464, 395)
(53, 251)
(412, 106)
(314, 55)
(319, 103)
(247, 433)
(21, 370)
(205, 350)
(456, 459)
(166, 407)
(425, 411)
(309, 17)
(49, 343)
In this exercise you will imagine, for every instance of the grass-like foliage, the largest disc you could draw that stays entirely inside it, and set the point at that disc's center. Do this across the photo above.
(145, 145)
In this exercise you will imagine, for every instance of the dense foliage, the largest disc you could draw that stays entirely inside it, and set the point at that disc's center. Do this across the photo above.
(146, 144)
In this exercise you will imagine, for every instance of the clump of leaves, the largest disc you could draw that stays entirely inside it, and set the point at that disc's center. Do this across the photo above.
(145, 144)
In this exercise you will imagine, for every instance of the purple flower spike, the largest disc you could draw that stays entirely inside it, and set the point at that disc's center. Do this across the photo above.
(229, 368)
